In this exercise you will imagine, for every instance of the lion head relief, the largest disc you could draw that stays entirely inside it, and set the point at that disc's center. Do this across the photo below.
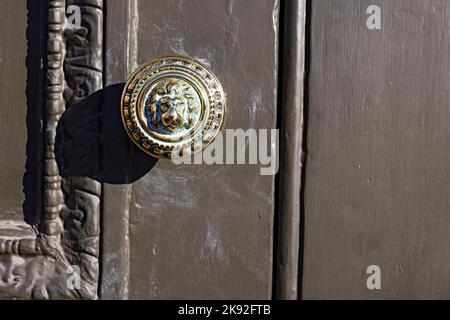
(173, 105)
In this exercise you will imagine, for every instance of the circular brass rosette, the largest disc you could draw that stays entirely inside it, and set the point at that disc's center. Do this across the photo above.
(173, 107)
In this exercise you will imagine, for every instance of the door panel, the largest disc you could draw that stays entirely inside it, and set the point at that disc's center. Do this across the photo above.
(13, 127)
(198, 231)
(377, 169)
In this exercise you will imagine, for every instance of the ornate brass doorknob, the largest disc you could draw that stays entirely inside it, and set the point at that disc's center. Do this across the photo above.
(173, 107)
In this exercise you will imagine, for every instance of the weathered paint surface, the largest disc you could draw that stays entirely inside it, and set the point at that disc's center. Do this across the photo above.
(196, 231)
(377, 178)
(13, 112)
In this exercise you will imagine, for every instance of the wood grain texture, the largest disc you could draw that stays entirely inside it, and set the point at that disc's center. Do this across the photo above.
(207, 231)
(377, 178)
(13, 127)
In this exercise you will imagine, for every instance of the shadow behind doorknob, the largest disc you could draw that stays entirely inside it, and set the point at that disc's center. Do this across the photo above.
(91, 141)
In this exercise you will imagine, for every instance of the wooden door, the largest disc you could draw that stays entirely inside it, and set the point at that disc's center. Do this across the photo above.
(377, 171)
(192, 231)
(357, 209)
(95, 217)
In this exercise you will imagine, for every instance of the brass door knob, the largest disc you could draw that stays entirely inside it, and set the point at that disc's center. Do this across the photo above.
(173, 107)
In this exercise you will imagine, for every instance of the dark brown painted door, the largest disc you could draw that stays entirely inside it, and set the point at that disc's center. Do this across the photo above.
(194, 231)
(79, 201)
(85, 214)
(377, 171)
(13, 134)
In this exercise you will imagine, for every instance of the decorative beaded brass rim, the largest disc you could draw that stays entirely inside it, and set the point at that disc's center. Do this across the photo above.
(173, 107)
